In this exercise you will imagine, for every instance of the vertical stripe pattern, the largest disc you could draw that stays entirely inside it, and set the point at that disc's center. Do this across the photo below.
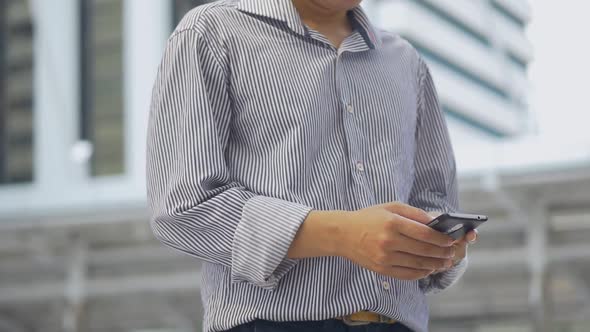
(255, 121)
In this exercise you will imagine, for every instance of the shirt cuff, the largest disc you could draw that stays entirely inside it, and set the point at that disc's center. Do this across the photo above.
(438, 282)
(262, 239)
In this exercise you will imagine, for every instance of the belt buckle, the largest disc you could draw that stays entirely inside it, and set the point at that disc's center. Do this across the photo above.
(386, 320)
(375, 318)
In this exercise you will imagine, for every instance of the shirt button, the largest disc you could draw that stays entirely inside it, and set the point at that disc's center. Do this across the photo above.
(360, 166)
(386, 285)
(349, 108)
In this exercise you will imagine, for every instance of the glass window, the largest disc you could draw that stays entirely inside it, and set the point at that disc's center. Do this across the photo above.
(455, 23)
(16, 92)
(181, 7)
(518, 62)
(102, 83)
(511, 17)
(432, 56)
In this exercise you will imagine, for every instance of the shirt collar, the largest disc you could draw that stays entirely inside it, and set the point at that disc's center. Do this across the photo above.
(281, 10)
(367, 28)
(285, 11)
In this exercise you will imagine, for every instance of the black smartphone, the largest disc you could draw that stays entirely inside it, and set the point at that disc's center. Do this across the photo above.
(456, 225)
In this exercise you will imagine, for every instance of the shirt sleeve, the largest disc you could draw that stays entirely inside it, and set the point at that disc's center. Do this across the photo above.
(195, 205)
(435, 182)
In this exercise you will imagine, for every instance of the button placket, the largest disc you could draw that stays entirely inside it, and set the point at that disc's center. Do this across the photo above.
(351, 130)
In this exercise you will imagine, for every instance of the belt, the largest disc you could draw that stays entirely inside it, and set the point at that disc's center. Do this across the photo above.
(366, 317)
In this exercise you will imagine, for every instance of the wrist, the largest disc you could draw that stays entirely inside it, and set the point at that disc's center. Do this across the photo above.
(321, 234)
(456, 263)
(331, 228)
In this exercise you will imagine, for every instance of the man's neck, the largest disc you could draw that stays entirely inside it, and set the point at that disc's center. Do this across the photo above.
(313, 13)
(333, 24)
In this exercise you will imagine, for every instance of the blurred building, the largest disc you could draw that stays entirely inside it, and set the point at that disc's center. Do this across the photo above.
(478, 54)
(76, 251)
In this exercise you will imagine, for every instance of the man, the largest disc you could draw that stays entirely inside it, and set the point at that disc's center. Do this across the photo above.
(295, 148)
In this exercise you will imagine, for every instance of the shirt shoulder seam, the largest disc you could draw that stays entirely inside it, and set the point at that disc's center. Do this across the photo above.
(201, 33)
(198, 18)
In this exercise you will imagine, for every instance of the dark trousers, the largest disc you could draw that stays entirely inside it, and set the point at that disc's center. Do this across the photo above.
(332, 325)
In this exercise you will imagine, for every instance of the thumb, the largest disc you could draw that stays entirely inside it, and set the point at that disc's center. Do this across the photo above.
(434, 214)
(407, 211)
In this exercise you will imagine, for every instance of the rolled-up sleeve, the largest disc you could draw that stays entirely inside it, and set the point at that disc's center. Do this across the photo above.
(195, 205)
(435, 182)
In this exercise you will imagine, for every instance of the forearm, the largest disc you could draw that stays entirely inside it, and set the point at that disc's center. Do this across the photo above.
(230, 229)
(319, 234)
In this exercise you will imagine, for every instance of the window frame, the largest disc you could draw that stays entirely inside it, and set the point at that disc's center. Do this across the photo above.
(86, 74)
(3, 103)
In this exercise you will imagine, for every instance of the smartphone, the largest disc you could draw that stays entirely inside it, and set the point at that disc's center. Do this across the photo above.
(456, 225)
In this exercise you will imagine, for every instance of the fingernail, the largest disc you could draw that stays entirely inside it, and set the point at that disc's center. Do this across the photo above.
(452, 253)
(475, 236)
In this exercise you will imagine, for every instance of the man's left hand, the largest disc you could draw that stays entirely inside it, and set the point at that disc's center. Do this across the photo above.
(459, 245)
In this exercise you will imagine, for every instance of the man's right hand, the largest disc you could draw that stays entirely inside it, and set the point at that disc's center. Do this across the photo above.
(392, 239)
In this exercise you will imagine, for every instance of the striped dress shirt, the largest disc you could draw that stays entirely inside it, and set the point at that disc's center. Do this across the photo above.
(255, 120)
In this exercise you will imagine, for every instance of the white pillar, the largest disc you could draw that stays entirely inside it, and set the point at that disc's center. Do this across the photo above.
(56, 92)
(537, 239)
(147, 25)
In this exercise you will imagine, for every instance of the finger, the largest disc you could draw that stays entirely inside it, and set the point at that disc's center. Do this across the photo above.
(461, 241)
(423, 249)
(423, 233)
(434, 214)
(408, 211)
(403, 273)
(460, 251)
(469, 238)
(472, 236)
(439, 271)
(403, 259)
